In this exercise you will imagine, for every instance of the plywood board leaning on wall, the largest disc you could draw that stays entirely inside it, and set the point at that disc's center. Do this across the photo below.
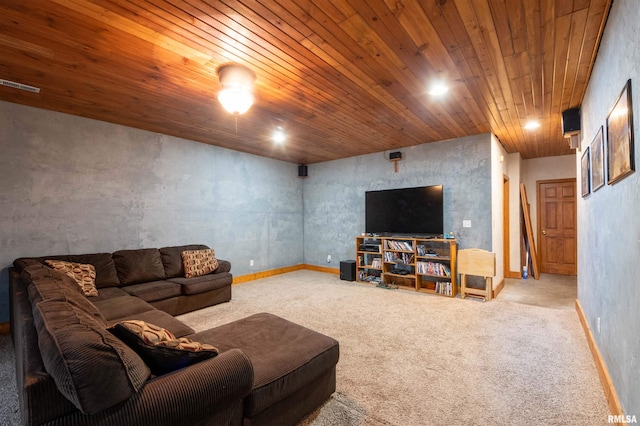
(529, 243)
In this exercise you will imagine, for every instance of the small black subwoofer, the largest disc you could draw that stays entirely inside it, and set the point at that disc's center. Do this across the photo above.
(570, 122)
(348, 270)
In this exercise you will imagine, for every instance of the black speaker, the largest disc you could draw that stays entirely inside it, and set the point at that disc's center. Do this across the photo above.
(570, 122)
(303, 171)
(348, 270)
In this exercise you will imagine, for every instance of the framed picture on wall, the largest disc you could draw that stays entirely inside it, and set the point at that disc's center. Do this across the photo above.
(584, 173)
(620, 156)
(597, 161)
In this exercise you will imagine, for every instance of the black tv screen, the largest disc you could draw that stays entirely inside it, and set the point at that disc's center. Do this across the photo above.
(405, 211)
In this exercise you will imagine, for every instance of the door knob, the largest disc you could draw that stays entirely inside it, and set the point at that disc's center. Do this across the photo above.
(544, 232)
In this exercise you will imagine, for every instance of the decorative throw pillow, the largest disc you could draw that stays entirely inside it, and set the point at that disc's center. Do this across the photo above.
(199, 262)
(84, 274)
(159, 348)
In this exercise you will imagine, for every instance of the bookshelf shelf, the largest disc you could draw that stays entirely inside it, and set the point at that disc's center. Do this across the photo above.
(369, 260)
(426, 265)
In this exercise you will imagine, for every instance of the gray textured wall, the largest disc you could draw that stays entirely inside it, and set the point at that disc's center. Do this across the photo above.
(75, 185)
(608, 224)
(334, 206)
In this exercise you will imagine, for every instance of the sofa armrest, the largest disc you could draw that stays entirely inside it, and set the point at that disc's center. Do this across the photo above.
(197, 394)
(226, 377)
(223, 266)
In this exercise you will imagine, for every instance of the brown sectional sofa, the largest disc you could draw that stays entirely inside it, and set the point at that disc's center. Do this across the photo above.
(153, 275)
(71, 369)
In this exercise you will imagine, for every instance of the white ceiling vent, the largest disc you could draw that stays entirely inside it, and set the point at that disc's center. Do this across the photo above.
(20, 86)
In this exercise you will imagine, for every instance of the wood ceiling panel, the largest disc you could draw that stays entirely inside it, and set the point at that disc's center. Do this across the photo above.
(482, 81)
(342, 77)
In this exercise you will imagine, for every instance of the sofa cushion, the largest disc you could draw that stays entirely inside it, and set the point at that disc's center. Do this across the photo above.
(223, 266)
(22, 262)
(83, 273)
(172, 259)
(159, 348)
(44, 283)
(159, 318)
(120, 307)
(90, 367)
(285, 356)
(109, 293)
(199, 262)
(197, 285)
(154, 290)
(106, 275)
(138, 266)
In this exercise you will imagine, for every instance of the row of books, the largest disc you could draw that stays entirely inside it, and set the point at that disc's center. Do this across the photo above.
(443, 287)
(399, 245)
(406, 258)
(433, 268)
(366, 257)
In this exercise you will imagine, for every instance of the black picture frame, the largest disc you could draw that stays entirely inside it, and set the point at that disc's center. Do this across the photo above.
(597, 161)
(584, 173)
(620, 149)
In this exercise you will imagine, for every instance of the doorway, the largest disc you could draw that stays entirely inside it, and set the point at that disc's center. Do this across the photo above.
(506, 234)
(557, 234)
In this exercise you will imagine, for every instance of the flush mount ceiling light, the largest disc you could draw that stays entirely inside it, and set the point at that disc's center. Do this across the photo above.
(236, 95)
(438, 88)
(532, 124)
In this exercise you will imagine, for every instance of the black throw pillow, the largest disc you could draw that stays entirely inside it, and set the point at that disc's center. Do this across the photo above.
(159, 348)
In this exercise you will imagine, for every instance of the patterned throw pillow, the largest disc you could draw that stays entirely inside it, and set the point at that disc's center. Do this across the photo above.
(159, 348)
(199, 262)
(84, 274)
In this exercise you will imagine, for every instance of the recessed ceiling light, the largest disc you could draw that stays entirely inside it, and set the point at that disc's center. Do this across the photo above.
(438, 88)
(278, 135)
(532, 124)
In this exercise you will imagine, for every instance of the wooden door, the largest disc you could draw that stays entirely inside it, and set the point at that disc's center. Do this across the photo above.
(557, 233)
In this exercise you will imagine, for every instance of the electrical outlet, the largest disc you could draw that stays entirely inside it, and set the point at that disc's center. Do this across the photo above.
(466, 223)
(598, 325)
(251, 263)
(328, 258)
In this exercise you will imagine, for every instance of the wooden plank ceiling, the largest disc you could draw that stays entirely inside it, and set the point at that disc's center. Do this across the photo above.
(341, 77)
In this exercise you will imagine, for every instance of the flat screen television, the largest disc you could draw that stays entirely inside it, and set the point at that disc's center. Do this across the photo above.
(415, 211)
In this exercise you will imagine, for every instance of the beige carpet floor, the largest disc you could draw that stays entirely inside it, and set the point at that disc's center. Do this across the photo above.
(9, 405)
(408, 358)
(550, 291)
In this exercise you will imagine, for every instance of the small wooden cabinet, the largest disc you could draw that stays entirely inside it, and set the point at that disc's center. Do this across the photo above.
(422, 264)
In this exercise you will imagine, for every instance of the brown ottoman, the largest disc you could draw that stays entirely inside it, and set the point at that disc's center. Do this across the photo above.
(294, 367)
